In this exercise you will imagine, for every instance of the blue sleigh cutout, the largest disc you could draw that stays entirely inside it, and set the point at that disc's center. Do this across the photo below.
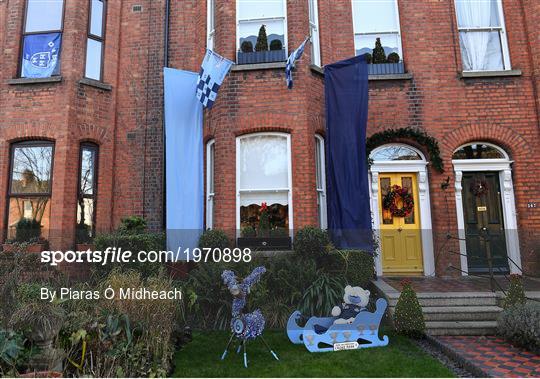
(320, 333)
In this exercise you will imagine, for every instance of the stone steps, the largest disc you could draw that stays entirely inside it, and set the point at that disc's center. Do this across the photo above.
(461, 313)
(460, 328)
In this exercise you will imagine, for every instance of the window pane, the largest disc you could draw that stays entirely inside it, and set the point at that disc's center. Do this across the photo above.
(250, 30)
(278, 217)
(88, 169)
(251, 9)
(478, 151)
(32, 208)
(41, 55)
(85, 215)
(44, 15)
(481, 51)
(318, 163)
(477, 13)
(96, 18)
(372, 16)
(395, 153)
(31, 172)
(366, 43)
(263, 162)
(406, 182)
(93, 59)
(211, 169)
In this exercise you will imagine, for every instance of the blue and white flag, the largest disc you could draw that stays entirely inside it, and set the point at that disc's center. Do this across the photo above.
(295, 55)
(214, 68)
(40, 54)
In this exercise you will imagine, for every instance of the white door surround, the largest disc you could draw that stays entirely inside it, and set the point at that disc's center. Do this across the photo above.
(503, 166)
(395, 166)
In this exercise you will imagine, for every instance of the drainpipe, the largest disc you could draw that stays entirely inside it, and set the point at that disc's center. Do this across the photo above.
(165, 64)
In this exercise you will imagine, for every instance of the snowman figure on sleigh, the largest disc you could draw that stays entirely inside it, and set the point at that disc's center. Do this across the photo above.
(351, 326)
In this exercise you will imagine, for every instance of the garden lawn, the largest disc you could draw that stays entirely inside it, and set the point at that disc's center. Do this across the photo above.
(401, 358)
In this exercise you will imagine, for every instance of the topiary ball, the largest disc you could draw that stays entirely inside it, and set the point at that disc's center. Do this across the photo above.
(311, 242)
(393, 58)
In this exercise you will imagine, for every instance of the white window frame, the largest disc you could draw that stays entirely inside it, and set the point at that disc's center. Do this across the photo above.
(321, 191)
(289, 178)
(314, 32)
(284, 18)
(210, 23)
(502, 35)
(398, 31)
(210, 178)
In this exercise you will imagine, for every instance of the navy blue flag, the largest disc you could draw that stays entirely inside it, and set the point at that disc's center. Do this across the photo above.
(214, 68)
(295, 55)
(41, 53)
(346, 97)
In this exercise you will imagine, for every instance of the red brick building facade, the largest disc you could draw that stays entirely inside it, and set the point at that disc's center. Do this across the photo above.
(120, 114)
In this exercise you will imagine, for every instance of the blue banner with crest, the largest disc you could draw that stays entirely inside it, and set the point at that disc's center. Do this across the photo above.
(41, 54)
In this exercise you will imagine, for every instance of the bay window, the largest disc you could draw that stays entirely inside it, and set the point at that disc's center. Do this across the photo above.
(95, 40)
(263, 167)
(30, 188)
(314, 33)
(210, 154)
(482, 35)
(377, 22)
(42, 38)
(261, 32)
(320, 180)
(86, 200)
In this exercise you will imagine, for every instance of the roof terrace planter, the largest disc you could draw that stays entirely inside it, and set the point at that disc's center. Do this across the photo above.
(386, 68)
(261, 56)
(265, 243)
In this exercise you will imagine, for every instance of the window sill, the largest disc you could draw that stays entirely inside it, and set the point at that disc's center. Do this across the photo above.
(96, 84)
(52, 79)
(489, 74)
(405, 76)
(258, 66)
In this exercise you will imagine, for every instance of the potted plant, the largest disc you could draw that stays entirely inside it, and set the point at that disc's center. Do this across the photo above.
(380, 64)
(263, 53)
(27, 237)
(267, 236)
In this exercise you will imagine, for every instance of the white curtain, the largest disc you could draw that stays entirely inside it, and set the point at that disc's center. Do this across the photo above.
(480, 50)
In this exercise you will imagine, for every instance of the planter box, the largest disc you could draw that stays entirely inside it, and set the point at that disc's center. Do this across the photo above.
(261, 57)
(265, 243)
(33, 248)
(386, 68)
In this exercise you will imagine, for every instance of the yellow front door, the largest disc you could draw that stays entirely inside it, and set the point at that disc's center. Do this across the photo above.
(401, 240)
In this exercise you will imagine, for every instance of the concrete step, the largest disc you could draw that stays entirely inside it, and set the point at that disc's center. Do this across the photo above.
(448, 299)
(462, 313)
(471, 328)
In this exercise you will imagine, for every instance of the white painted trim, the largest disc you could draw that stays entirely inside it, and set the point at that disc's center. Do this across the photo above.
(419, 167)
(209, 175)
(503, 166)
(314, 32)
(289, 189)
(323, 217)
(210, 33)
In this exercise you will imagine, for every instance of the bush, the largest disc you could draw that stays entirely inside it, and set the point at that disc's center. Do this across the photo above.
(248, 231)
(246, 47)
(132, 225)
(276, 45)
(214, 239)
(408, 316)
(356, 267)
(393, 58)
(516, 294)
(368, 57)
(27, 230)
(521, 325)
(82, 233)
(311, 242)
(321, 296)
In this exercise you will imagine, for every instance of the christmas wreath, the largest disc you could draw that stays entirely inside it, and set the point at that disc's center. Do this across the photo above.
(479, 188)
(390, 201)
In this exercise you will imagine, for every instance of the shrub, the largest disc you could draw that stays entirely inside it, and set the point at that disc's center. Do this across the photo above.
(27, 230)
(214, 239)
(322, 295)
(11, 348)
(408, 316)
(393, 58)
(248, 231)
(276, 45)
(356, 267)
(82, 233)
(516, 294)
(521, 325)
(368, 57)
(262, 40)
(246, 47)
(132, 225)
(379, 56)
(311, 242)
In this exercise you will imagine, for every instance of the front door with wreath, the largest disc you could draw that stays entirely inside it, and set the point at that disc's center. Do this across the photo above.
(401, 240)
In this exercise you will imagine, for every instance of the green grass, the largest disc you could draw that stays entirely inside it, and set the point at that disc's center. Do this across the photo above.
(401, 358)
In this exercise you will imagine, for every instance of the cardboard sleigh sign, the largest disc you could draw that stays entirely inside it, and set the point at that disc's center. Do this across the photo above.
(321, 334)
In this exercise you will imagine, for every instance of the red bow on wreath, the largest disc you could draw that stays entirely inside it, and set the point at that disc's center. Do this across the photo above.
(391, 198)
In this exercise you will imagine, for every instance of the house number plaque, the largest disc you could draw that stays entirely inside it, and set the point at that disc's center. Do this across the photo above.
(482, 208)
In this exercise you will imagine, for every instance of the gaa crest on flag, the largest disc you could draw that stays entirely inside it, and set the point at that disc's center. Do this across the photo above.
(40, 57)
